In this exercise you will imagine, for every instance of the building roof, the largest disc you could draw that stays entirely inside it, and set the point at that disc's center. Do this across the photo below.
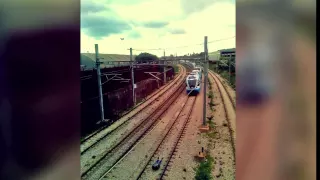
(214, 56)
(227, 51)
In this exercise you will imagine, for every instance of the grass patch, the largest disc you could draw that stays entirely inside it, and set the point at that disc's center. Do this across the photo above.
(211, 124)
(211, 104)
(203, 172)
(212, 134)
(210, 94)
(210, 85)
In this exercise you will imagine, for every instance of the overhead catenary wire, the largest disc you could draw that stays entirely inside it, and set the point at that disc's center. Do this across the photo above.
(111, 72)
(158, 49)
(104, 94)
(191, 45)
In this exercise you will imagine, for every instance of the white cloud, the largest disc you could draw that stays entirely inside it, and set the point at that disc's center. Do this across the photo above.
(153, 10)
(216, 21)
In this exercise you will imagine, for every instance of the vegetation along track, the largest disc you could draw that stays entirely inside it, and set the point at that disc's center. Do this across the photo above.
(146, 102)
(94, 141)
(111, 157)
(170, 139)
(229, 108)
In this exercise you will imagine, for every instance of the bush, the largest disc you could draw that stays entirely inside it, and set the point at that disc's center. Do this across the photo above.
(204, 169)
(210, 95)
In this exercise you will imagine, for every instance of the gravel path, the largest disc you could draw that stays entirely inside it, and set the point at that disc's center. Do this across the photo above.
(131, 165)
(97, 151)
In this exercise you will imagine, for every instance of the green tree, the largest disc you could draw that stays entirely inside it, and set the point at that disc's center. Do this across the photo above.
(146, 57)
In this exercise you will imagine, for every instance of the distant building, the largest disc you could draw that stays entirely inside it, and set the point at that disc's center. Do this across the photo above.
(227, 53)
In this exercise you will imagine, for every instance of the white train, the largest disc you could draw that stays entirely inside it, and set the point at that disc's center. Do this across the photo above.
(198, 68)
(198, 72)
(193, 83)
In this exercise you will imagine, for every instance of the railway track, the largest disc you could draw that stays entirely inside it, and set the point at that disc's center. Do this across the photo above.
(225, 88)
(163, 88)
(112, 156)
(148, 105)
(97, 150)
(170, 139)
(229, 112)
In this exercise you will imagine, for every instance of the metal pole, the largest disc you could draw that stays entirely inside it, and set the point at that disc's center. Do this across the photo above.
(205, 81)
(230, 69)
(164, 68)
(99, 82)
(132, 79)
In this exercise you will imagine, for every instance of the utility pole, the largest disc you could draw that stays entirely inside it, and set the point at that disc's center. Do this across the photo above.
(230, 68)
(164, 68)
(205, 81)
(132, 79)
(99, 82)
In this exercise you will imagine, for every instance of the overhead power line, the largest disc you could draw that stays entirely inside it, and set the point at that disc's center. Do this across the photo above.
(221, 39)
(200, 44)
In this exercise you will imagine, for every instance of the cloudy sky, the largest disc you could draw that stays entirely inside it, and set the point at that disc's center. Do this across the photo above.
(178, 26)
